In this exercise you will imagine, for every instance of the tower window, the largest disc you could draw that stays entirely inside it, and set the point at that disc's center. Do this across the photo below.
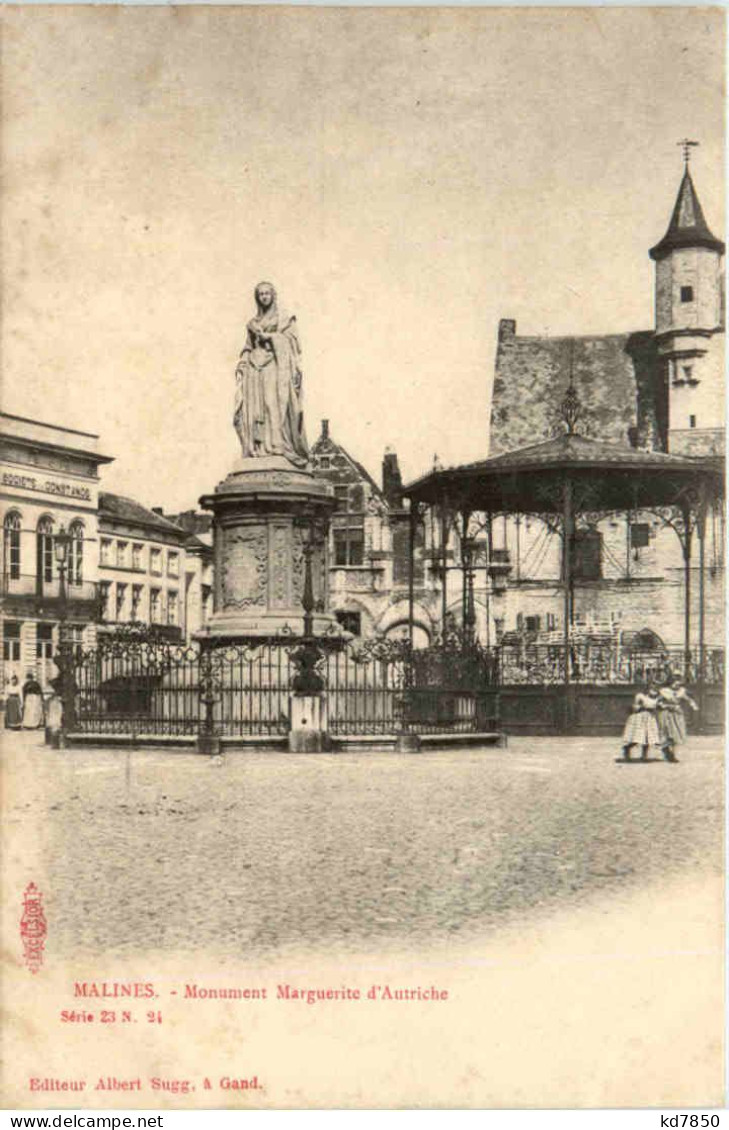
(692, 421)
(687, 294)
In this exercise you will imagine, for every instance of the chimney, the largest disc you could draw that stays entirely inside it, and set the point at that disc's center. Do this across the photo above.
(158, 510)
(391, 478)
(507, 328)
(325, 429)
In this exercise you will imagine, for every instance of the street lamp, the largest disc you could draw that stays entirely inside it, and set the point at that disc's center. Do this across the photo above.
(61, 546)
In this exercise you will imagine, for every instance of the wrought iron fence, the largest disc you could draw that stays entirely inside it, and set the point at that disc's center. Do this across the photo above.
(141, 684)
(144, 687)
(138, 683)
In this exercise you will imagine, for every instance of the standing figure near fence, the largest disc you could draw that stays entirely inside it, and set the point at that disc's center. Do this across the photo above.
(641, 729)
(671, 716)
(32, 703)
(13, 711)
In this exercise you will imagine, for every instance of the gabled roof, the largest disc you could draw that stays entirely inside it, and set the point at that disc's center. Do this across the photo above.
(688, 227)
(326, 444)
(123, 509)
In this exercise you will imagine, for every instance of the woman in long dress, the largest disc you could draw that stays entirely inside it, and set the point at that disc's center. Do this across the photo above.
(268, 416)
(32, 703)
(641, 729)
(671, 717)
(13, 711)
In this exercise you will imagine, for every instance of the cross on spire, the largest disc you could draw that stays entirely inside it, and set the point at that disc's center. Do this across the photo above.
(687, 146)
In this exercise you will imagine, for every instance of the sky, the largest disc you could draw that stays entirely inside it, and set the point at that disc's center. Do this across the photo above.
(405, 177)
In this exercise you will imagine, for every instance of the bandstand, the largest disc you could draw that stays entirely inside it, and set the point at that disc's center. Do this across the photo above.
(577, 689)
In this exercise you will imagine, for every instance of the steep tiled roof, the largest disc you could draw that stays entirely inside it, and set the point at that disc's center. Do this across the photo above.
(616, 376)
(688, 227)
(123, 509)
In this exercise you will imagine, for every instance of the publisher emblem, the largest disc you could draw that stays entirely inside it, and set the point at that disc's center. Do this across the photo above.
(33, 928)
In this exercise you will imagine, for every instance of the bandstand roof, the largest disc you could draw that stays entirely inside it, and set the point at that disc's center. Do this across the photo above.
(529, 479)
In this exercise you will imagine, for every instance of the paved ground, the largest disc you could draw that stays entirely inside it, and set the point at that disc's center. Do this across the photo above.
(266, 853)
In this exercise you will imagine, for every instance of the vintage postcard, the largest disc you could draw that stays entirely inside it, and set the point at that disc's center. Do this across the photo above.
(363, 557)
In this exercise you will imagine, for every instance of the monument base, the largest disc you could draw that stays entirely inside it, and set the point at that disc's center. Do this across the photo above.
(308, 714)
(268, 517)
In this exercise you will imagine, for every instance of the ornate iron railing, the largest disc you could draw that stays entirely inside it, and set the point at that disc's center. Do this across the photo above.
(605, 664)
(136, 682)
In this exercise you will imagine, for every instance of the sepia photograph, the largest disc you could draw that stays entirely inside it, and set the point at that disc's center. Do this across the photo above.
(363, 671)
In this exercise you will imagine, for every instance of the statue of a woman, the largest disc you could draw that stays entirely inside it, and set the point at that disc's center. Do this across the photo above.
(268, 416)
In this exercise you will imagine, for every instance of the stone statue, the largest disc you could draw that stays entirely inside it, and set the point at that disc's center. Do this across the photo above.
(268, 416)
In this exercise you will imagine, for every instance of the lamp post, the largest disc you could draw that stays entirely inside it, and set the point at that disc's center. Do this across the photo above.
(61, 546)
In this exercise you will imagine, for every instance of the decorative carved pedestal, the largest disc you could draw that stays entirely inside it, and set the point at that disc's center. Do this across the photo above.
(267, 516)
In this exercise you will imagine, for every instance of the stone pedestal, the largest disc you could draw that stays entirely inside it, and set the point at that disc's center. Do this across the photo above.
(309, 725)
(265, 512)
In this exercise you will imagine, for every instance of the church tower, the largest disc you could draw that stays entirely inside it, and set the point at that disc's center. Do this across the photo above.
(690, 325)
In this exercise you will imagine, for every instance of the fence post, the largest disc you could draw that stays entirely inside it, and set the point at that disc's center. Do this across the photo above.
(208, 742)
(308, 703)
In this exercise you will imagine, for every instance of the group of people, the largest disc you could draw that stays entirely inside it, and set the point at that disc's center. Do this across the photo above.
(658, 719)
(24, 707)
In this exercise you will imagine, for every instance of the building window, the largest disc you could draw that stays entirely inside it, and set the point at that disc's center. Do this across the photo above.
(325, 462)
(350, 621)
(155, 606)
(121, 601)
(532, 623)
(76, 553)
(121, 554)
(137, 557)
(76, 638)
(105, 552)
(692, 421)
(155, 561)
(44, 542)
(44, 641)
(687, 372)
(551, 622)
(348, 545)
(11, 641)
(173, 564)
(639, 535)
(687, 294)
(104, 593)
(137, 591)
(587, 564)
(172, 607)
(44, 652)
(11, 545)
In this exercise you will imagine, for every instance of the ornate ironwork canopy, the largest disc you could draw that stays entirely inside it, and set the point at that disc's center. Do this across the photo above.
(529, 480)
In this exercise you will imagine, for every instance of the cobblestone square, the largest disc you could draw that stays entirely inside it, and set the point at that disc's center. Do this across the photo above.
(269, 853)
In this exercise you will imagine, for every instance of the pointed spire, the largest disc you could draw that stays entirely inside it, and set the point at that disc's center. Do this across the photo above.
(687, 228)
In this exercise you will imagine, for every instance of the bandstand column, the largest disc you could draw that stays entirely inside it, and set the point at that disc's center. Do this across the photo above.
(465, 566)
(701, 533)
(686, 544)
(412, 520)
(567, 522)
(444, 567)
